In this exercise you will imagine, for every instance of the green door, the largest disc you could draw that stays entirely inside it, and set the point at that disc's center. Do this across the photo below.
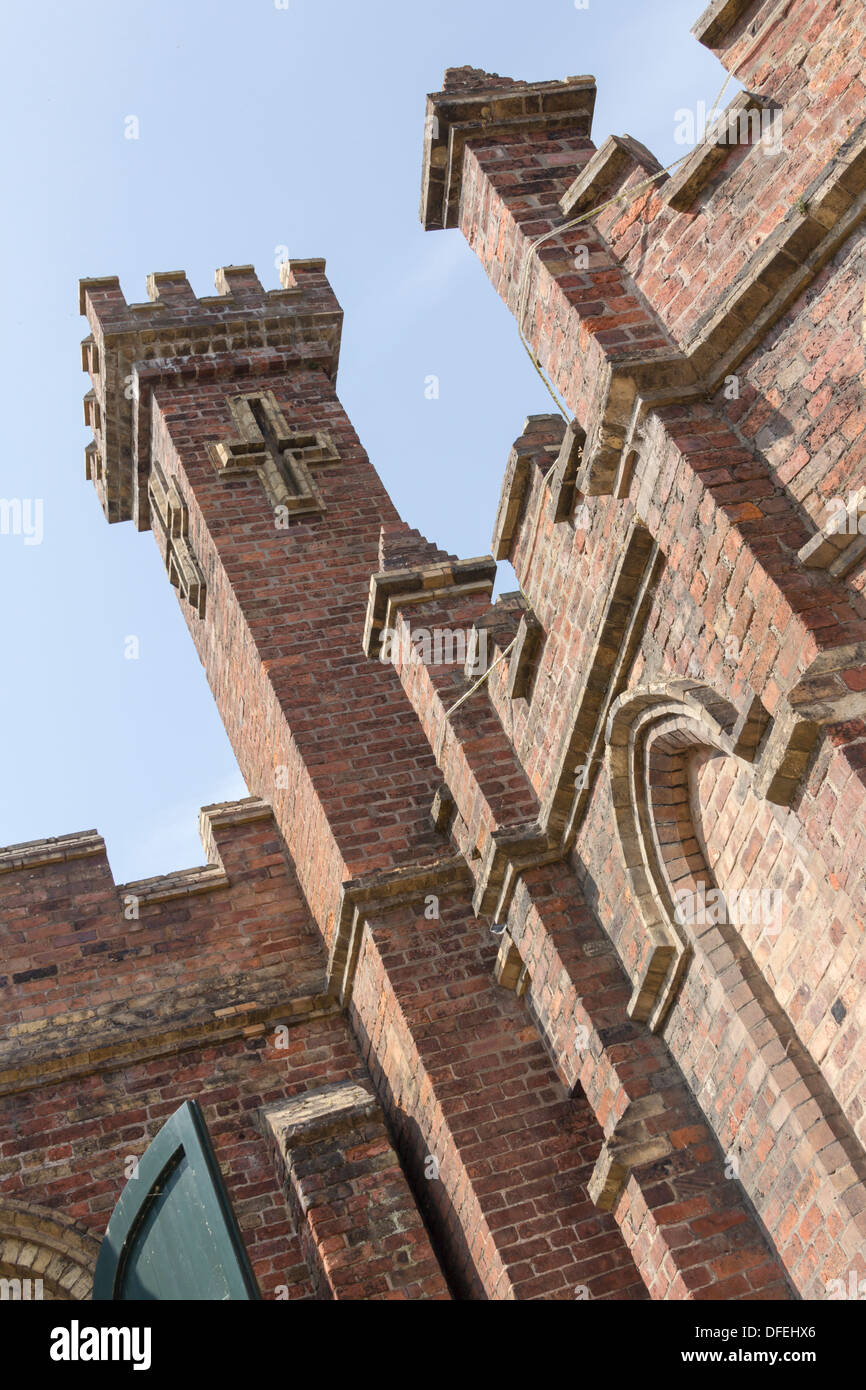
(173, 1234)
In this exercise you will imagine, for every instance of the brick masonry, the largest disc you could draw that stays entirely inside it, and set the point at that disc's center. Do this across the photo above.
(447, 988)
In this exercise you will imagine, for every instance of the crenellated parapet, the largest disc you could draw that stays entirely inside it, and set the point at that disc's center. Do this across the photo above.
(477, 105)
(96, 973)
(174, 334)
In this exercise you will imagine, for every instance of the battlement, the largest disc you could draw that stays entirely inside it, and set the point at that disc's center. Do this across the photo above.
(479, 105)
(242, 330)
(171, 299)
(94, 970)
(215, 826)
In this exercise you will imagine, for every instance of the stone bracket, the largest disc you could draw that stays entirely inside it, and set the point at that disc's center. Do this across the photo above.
(713, 27)
(497, 626)
(840, 546)
(539, 447)
(316, 1114)
(524, 657)
(563, 480)
(828, 693)
(698, 168)
(443, 810)
(508, 853)
(374, 895)
(608, 168)
(509, 970)
(668, 377)
(391, 590)
(631, 1144)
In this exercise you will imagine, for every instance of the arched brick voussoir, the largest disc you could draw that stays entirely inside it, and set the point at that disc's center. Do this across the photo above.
(652, 741)
(678, 716)
(38, 1244)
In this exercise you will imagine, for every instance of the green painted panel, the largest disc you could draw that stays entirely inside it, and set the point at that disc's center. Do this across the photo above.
(173, 1234)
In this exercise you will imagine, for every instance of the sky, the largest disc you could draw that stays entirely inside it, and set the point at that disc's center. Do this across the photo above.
(265, 128)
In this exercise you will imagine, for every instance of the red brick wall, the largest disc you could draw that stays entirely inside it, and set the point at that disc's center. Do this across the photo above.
(214, 995)
(569, 1137)
(71, 921)
(801, 396)
(108, 1119)
(280, 643)
(465, 1073)
(767, 1029)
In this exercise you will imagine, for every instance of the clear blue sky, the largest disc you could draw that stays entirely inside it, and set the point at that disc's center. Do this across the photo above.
(259, 127)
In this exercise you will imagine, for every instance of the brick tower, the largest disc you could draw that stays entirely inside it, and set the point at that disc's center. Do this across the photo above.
(533, 967)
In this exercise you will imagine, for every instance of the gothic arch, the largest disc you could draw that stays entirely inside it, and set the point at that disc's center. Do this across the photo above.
(37, 1243)
(653, 733)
